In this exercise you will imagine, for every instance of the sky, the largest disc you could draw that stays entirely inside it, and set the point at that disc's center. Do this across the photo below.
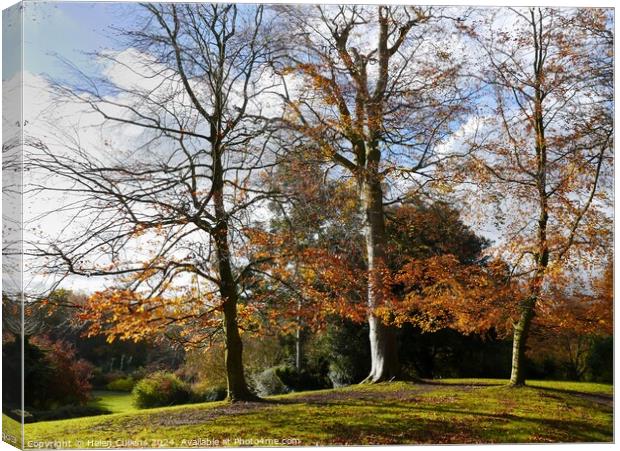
(69, 29)
(53, 32)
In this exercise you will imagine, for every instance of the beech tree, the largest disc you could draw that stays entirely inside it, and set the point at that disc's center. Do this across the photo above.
(571, 322)
(435, 275)
(163, 213)
(543, 149)
(372, 90)
(311, 213)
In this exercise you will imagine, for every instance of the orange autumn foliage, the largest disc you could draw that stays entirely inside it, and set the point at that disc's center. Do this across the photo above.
(434, 290)
(579, 313)
(128, 315)
(441, 292)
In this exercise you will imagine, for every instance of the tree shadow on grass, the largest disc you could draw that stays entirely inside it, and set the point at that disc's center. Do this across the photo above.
(462, 384)
(492, 428)
(600, 398)
(494, 424)
(382, 421)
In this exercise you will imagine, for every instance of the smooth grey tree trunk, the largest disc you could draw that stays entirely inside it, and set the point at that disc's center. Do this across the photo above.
(521, 332)
(298, 339)
(383, 344)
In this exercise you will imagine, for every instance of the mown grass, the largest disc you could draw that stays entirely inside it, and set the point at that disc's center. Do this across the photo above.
(113, 401)
(389, 413)
(11, 431)
(568, 386)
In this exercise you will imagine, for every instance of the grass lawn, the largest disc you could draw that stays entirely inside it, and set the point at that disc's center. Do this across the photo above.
(453, 411)
(568, 386)
(113, 401)
(11, 431)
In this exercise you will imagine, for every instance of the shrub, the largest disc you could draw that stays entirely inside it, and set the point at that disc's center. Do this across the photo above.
(203, 393)
(139, 373)
(38, 373)
(341, 373)
(160, 389)
(99, 379)
(66, 379)
(345, 346)
(311, 378)
(110, 376)
(121, 384)
(269, 383)
(601, 360)
(206, 367)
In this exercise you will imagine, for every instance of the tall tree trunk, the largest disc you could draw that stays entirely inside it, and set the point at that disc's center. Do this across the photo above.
(522, 328)
(237, 387)
(298, 339)
(521, 331)
(383, 343)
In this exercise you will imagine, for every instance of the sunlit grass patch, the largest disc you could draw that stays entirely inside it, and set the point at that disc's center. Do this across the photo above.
(387, 413)
(579, 387)
(11, 431)
(114, 402)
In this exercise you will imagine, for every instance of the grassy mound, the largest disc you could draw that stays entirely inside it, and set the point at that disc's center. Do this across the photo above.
(452, 411)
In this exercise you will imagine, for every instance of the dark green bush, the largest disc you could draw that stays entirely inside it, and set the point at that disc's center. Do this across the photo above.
(38, 374)
(312, 378)
(601, 360)
(53, 374)
(161, 389)
(99, 379)
(341, 373)
(347, 350)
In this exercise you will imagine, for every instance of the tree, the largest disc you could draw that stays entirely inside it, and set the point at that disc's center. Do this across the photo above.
(372, 90)
(313, 213)
(572, 321)
(543, 147)
(163, 213)
(440, 277)
(69, 379)
(436, 276)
